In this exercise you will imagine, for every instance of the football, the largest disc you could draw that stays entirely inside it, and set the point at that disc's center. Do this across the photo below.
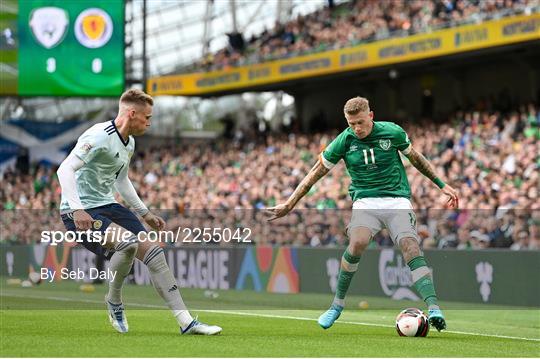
(412, 322)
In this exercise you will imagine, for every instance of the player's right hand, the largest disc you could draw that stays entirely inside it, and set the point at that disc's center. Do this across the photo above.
(83, 221)
(278, 211)
(453, 199)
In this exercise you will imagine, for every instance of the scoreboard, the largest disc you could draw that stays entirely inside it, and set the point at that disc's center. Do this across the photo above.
(68, 48)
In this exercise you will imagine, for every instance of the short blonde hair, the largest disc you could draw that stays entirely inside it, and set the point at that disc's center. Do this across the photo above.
(356, 105)
(136, 96)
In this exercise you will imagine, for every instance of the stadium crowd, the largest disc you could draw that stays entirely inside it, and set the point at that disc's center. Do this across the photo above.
(490, 158)
(355, 22)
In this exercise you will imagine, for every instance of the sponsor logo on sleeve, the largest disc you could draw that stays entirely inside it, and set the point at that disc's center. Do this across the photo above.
(86, 147)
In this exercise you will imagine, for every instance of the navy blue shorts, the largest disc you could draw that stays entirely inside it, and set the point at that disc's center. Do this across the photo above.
(103, 216)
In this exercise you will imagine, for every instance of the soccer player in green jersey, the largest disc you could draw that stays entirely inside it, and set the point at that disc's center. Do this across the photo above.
(381, 197)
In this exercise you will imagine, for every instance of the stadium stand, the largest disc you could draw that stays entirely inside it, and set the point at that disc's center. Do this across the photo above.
(490, 157)
(355, 22)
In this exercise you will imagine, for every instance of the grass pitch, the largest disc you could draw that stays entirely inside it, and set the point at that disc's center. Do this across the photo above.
(57, 320)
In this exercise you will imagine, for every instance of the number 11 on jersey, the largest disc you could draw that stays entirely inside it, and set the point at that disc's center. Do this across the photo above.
(366, 159)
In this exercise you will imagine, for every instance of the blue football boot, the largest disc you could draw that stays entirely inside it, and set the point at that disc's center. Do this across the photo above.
(327, 319)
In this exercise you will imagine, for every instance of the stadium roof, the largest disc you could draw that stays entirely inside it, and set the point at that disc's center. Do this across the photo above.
(179, 32)
(175, 39)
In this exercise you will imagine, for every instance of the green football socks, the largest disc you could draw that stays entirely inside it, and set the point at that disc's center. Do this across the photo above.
(423, 283)
(349, 265)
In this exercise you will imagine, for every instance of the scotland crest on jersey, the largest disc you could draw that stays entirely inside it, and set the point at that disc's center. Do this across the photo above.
(49, 25)
(385, 144)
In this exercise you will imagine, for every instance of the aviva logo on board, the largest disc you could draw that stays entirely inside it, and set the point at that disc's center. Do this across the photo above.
(269, 269)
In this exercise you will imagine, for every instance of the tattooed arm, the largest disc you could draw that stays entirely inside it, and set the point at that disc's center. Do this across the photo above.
(316, 173)
(423, 165)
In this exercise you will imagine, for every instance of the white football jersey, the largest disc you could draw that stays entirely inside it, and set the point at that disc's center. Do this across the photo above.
(105, 154)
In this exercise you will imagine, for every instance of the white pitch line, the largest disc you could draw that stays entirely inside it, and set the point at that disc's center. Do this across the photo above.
(289, 317)
(358, 323)
(272, 316)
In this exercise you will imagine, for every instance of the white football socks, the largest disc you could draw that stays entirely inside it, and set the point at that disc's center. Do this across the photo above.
(166, 286)
(120, 264)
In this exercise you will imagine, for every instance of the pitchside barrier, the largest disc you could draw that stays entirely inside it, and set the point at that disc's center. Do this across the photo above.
(486, 276)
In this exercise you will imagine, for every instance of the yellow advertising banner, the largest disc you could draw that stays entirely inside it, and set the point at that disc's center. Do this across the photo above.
(396, 50)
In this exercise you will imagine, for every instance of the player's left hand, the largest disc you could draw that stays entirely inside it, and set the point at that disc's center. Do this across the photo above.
(156, 222)
(453, 200)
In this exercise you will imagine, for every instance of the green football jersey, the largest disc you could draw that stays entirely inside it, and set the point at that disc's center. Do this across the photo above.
(373, 162)
(104, 153)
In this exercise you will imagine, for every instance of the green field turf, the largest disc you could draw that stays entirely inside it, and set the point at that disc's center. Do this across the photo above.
(8, 18)
(57, 320)
(9, 10)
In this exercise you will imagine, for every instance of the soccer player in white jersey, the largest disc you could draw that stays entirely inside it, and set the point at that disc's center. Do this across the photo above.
(381, 198)
(88, 176)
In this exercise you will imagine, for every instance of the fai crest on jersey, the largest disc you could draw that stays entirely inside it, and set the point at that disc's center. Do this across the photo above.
(385, 144)
(93, 28)
(49, 25)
